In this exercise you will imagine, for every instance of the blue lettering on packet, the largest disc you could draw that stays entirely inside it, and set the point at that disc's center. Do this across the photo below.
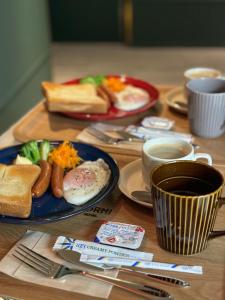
(68, 243)
(81, 246)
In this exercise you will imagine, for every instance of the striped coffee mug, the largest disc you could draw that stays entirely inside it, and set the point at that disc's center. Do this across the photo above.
(206, 106)
(186, 197)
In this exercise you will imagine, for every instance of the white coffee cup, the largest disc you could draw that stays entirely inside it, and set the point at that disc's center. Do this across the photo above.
(165, 149)
(201, 72)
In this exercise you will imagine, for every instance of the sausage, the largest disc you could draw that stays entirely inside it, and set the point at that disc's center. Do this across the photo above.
(42, 183)
(57, 180)
(102, 93)
(112, 97)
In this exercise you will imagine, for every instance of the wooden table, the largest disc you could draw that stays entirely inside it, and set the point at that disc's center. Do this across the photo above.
(210, 285)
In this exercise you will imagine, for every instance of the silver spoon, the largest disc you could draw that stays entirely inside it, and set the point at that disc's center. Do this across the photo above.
(142, 196)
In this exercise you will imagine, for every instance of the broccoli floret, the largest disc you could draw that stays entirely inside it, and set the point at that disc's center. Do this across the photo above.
(45, 148)
(30, 150)
(97, 80)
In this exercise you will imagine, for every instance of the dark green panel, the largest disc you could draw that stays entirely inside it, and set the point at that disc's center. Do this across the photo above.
(91, 20)
(24, 56)
(179, 23)
(25, 98)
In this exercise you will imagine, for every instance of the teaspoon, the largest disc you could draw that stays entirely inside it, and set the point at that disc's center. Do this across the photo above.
(142, 196)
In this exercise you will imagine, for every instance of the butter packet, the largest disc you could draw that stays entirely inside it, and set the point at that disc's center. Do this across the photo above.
(120, 235)
(150, 133)
(157, 123)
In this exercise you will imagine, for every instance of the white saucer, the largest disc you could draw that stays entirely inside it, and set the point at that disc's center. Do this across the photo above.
(176, 99)
(131, 180)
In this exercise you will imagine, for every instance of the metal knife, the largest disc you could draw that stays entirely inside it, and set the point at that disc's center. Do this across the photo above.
(102, 136)
(137, 288)
(73, 257)
(129, 136)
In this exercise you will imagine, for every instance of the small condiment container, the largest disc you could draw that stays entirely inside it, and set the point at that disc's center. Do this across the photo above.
(157, 123)
(120, 234)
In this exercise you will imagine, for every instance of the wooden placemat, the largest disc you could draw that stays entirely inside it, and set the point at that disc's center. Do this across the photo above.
(41, 124)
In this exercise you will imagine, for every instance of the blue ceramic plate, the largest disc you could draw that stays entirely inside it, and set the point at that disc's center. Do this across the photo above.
(50, 209)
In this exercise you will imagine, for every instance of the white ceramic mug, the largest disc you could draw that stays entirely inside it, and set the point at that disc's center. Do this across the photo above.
(201, 72)
(162, 150)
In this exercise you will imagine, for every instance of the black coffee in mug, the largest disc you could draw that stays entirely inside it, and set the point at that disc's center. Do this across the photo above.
(186, 197)
(186, 186)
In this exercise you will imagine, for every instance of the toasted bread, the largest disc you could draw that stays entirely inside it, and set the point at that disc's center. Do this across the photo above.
(16, 182)
(80, 98)
(2, 170)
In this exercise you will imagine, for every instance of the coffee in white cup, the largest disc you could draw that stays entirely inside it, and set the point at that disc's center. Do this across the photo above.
(165, 149)
(201, 72)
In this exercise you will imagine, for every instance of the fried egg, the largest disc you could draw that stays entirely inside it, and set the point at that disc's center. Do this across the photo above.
(131, 98)
(85, 181)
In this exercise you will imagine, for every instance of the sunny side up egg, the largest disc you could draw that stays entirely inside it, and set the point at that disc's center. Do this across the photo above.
(85, 181)
(131, 98)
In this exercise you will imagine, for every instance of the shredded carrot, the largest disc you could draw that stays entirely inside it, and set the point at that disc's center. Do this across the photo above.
(64, 155)
(115, 84)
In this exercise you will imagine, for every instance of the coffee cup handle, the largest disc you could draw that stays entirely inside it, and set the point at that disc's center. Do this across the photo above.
(217, 233)
(203, 155)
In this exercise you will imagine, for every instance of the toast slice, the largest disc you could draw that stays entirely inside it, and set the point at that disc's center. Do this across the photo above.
(16, 182)
(80, 98)
(2, 170)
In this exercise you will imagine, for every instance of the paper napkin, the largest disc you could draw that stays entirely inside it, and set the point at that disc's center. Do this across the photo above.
(43, 243)
(86, 137)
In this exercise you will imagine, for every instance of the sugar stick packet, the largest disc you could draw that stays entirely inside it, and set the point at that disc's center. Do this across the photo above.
(116, 261)
(92, 248)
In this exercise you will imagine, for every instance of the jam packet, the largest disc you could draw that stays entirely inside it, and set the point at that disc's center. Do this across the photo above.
(120, 234)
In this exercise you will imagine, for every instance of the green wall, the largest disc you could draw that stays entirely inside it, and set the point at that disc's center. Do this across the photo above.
(80, 20)
(155, 22)
(178, 23)
(24, 56)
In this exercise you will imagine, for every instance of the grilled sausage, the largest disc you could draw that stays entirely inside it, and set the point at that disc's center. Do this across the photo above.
(42, 183)
(112, 97)
(57, 180)
(102, 93)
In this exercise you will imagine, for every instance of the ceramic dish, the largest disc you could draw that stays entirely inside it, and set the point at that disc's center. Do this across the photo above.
(48, 208)
(176, 100)
(113, 112)
(131, 180)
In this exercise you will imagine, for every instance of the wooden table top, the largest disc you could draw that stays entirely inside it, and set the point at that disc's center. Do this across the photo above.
(210, 285)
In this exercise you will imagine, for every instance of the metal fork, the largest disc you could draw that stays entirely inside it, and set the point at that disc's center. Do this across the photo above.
(54, 270)
(125, 137)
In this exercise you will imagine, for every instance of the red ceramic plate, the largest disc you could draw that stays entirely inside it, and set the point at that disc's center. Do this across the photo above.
(113, 112)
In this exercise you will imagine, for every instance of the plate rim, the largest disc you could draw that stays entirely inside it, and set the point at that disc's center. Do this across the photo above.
(128, 166)
(60, 216)
(127, 114)
(170, 102)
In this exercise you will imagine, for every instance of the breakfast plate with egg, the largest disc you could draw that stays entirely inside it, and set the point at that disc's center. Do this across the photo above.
(101, 97)
(88, 179)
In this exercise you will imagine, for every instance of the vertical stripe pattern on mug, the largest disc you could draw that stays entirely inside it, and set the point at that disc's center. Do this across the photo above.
(184, 223)
(206, 111)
